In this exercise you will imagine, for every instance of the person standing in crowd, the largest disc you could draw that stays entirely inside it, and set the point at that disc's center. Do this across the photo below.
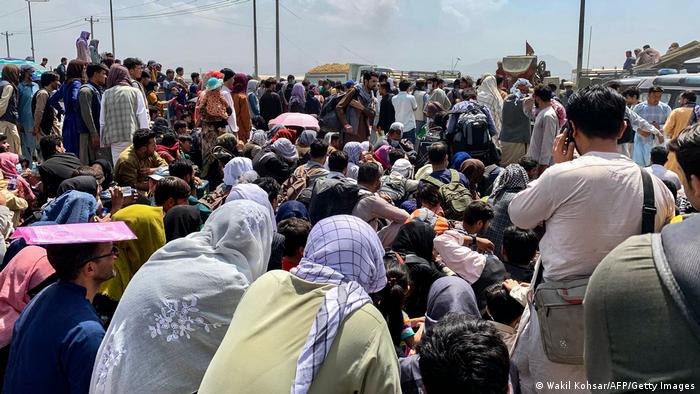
(135, 67)
(138, 161)
(404, 106)
(656, 271)
(90, 102)
(226, 92)
(386, 111)
(241, 107)
(438, 94)
(422, 97)
(180, 76)
(270, 102)
(58, 165)
(347, 347)
(638, 124)
(122, 112)
(545, 129)
(253, 101)
(195, 86)
(515, 132)
(629, 61)
(57, 335)
(68, 93)
(654, 111)
(9, 107)
(677, 122)
(45, 119)
(61, 69)
(572, 198)
(27, 88)
(489, 95)
(297, 101)
(355, 110)
(286, 90)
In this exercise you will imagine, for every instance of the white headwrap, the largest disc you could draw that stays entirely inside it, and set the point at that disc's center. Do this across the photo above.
(252, 192)
(403, 167)
(235, 168)
(345, 251)
(286, 149)
(521, 81)
(397, 126)
(177, 308)
(489, 95)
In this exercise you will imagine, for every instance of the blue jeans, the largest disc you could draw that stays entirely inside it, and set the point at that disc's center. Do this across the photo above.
(411, 136)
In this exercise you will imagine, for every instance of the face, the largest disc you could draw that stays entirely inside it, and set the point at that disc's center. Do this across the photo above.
(371, 84)
(151, 147)
(135, 72)
(100, 77)
(145, 81)
(186, 146)
(631, 100)
(523, 89)
(682, 100)
(5, 146)
(654, 97)
(462, 85)
(692, 188)
(170, 75)
(101, 268)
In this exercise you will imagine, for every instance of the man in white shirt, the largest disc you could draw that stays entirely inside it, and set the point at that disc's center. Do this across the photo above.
(232, 126)
(659, 157)
(546, 128)
(588, 205)
(422, 97)
(404, 105)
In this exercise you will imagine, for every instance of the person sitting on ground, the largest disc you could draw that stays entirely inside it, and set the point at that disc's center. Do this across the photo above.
(504, 312)
(428, 208)
(439, 160)
(185, 146)
(530, 166)
(181, 221)
(338, 166)
(399, 184)
(184, 169)
(139, 161)
(169, 147)
(296, 232)
(58, 164)
(518, 253)
(508, 183)
(309, 172)
(277, 160)
(170, 192)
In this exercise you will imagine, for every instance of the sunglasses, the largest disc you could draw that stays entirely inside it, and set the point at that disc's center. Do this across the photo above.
(113, 253)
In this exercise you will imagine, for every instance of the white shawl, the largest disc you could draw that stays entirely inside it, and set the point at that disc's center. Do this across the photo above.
(489, 95)
(177, 308)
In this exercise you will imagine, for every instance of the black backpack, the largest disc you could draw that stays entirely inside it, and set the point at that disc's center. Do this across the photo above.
(328, 119)
(331, 196)
(472, 135)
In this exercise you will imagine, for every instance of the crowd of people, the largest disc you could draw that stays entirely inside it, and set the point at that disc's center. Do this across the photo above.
(422, 239)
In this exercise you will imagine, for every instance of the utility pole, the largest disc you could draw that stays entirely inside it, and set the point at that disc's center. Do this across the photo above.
(588, 58)
(277, 36)
(31, 29)
(255, 39)
(111, 22)
(7, 35)
(579, 56)
(92, 22)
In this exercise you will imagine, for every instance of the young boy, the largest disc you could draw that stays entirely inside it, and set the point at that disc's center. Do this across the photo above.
(518, 252)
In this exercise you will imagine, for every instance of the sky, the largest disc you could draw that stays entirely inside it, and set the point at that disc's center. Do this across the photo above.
(424, 35)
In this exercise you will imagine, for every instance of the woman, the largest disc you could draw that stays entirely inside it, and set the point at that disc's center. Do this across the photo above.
(508, 183)
(255, 144)
(342, 344)
(297, 101)
(214, 112)
(8, 167)
(68, 93)
(123, 111)
(381, 155)
(181, 221)
(278, 161)
(287, 133)
(304, 145)
(458, 159)
(292, 209)
(473, 170)
(354, 151)
(176, 311)
(252, 192)
(146, 223)
(254, 104)
(489, 95)
(414, 244)
(235, 169)
(240, 106)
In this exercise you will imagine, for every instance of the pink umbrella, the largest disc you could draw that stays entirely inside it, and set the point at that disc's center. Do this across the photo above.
(295, 119)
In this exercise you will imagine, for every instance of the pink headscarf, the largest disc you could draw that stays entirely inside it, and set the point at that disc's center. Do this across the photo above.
(240, 83)
(118, 75)
(382, 156)
(24, 272)
(8, 166)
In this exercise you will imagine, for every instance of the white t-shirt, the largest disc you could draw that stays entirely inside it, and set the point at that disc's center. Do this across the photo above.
(589, 206)
(664, 174)
(404, 105)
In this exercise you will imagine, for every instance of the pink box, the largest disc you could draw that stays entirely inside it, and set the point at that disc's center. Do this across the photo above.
(75, 233)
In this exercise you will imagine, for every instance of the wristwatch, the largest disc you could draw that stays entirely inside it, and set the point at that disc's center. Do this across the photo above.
(473, 239)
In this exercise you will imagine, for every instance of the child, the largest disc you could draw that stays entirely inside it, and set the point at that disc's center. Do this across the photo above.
(518, 252)
(185, 145)
(390, 302)
(504, 312)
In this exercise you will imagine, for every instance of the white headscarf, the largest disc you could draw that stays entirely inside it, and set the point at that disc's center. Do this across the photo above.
(177, 308)
(286, 149)
(403, 167)
(342, 250)
(235, 168)
(252, 192)
(489, 95)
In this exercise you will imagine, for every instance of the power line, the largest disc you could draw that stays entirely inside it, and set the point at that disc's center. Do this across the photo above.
(17, 11)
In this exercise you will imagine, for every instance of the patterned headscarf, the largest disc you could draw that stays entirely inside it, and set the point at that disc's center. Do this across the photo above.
(345, 251)
(513, 178)
(521, 81)
(354, 151)
(286, 149)
(306, 138)
(259, 138)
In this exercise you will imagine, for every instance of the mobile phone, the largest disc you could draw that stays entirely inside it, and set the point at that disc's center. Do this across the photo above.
(569, 133)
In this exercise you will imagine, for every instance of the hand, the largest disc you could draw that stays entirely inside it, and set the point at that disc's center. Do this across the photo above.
(561, 152)
(484, 245)
(348, 129)
(98, 219)
(660, 136)
(357, 105)
(95, 141)
(147, 171)
(197, 180)
(117, 198)
(510, 284)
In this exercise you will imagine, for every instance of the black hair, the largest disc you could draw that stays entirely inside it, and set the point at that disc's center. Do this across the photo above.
(367, 75)
(396, 154)
(179, 69)
(528, 163)
(468, 80)
(502, 307)
(391, 299)
(543, 92)
(170, 71)
(179, 124)
(404, 85)
(659, 155)
(478, 210)
(437, 153)
(385, 86)
(369, 173)
(270, 186)
(24, 161)
(296, 233)
(631, 92)
(383, 77)
(687, 149)
(469, 94)
(499, 79)
(184, 138)
(48, 145)
(171, 186)
(429, 193)
(194, 75)
(439, 81)
(141, 137)
(597, 111)
(671, 187)
(318, 149)
(145, 74)
(64, 59)
(68, 259)
(337, 161)
(689, 95)
(420, 85)
(168, 139)
(181, 168)
(335, 137)
(463, 355)
(85, 171)
(520, 245)
(552, 87)
(91, 70)
(228, 73)
(131, 62)
(48, 77)
(614, 85)
(290, 76)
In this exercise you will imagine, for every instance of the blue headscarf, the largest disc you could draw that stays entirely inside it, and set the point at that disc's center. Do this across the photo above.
(70, 207)
(291, 209)
(458, 159)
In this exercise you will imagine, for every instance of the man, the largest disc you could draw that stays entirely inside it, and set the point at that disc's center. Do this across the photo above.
(304, 176)
(545, 129)
(655, 112)
(659, 157)
(355, 110)
(438, 95)
(138, 161)
(405, 105)
(135, 67)
(180, 76)
(9, 107)
(57, 335)
(338, 166)
(629, 61)
(648, 55)
(58, 164)
(518, 253)
(296, 233)
(467, 104)
(89, 101)
(515, 131)
(287, 89)
(421, 96)
(108, 59)
(439, 160)
(372, 208)
(568, 91)
(392, 136)
(270, 102)
(458, 86)
(579, 202)
(45, 119)
(171, 191)
(61, 69)
(647, 281)
(677, 122)
(27, 88)
(44, 62)
(195, 87)
(386, 113)
(165, 84)
(184, 169)
(232, 126)
(638, 124)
